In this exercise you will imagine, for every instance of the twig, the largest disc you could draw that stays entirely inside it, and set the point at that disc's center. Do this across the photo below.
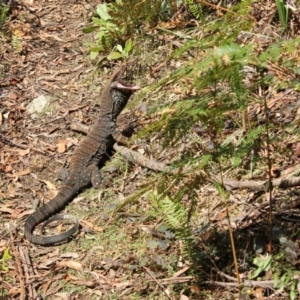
(172, 280)
(163, 289)
(13, 144)
(66, 113)
(10, 142)
(252, 283)
(248, 283)
(5, 232)
(269, 189)
(19, 272)
(28, 271)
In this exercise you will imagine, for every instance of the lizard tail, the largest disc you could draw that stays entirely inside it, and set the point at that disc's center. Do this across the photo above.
(43, 213)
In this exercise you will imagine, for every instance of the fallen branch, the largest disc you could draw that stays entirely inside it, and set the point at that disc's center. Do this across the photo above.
(246, 283)
(149, 273)
(4, 139)
(252, 284)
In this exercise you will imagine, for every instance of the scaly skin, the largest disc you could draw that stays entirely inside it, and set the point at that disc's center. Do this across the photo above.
(85, 162)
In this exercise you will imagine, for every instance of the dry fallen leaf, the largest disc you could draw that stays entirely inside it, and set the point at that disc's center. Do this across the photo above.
(61, 296)
(91, 226)
(18, 174)
(61, 146)
(12, 96)
(70, 264)
(297, 149)
(5, 209)
(22, 173)
(3, 245)
(88, 283)
(69, 255)
(26, 213)
(23, 152)
(16, 212)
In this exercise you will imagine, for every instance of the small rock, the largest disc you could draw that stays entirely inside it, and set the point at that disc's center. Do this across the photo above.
(37, 105)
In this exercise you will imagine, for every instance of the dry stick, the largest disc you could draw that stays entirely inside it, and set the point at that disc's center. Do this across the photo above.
(173, 280)
(152, 277)
(28, 271)
(269, 187)
(13, 144)
(19, 271)
(66, 113)
(246, 283)
(230, 230)
(252, 283)
(10, 142)
(5, 232)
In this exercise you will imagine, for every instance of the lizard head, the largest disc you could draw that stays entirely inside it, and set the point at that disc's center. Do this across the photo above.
(120, 93)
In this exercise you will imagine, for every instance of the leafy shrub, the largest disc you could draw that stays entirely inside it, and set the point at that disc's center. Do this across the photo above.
(116, 23)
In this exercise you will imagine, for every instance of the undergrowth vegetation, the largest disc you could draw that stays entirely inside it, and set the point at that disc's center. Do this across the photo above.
(3, 14)
(228, 68)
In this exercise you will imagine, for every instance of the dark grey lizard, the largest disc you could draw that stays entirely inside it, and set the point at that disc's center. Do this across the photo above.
(85, 161)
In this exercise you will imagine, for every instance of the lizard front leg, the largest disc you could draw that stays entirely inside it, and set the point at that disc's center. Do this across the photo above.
(120, 138)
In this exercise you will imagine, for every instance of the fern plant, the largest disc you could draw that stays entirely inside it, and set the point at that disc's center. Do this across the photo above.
(195, 8)
(176, 218)
(16, 41)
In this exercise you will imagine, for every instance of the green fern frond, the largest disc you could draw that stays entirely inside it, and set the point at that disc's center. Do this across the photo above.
(174, 214)
(176, 218)
(16, 41)
(194, 8)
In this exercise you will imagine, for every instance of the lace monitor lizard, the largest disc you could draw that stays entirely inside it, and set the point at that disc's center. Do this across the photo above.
(84, 163)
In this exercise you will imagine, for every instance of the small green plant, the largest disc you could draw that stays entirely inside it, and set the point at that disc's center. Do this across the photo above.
(16, 41)
(115, 24)
(3, 13)
(176, 217)
(283, 13)
(108, 30)
(285, 275)
(195, 8)
(5, 257)
(120, 52)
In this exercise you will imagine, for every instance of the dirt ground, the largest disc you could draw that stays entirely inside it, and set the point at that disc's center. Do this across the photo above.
(132, 255)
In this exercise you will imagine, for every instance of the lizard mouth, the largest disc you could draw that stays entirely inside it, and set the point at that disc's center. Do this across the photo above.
(125, 86)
